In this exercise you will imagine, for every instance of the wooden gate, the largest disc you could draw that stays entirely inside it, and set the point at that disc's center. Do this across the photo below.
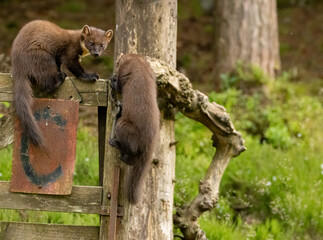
(101, 200)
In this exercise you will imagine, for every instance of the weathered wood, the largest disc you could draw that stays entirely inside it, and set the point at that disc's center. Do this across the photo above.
(89, 94)
(177, 90)
(84, 199)
(32, 231)
(114, 205)
(6, 130)
(110, 162)
(5, 87)
(149, 28)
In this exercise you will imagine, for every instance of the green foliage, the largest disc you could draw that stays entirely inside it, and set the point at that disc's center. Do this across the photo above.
(244, 77)
(87, 164)
(274, 189)
(279, 117)
(196, 157)
(5, 164)
(6, 104)
(72, 7)
(189, 9)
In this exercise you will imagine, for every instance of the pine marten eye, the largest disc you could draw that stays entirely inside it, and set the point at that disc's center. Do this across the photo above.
(91, 43)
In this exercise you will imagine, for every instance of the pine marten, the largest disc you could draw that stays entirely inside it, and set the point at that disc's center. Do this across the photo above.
(38, 52)
(137, 129)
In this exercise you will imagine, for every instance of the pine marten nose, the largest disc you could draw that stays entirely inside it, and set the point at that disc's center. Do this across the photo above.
(95, 54)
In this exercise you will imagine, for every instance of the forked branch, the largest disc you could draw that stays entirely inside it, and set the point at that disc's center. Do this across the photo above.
(177, 90)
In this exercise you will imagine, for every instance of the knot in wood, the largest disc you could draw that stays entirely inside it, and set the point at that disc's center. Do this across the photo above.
(155, 161)
(194, 218)
(206, 204)
(204, 187)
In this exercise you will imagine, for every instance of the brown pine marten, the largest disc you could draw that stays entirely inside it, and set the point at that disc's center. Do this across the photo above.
(137, 129)
(37, 54)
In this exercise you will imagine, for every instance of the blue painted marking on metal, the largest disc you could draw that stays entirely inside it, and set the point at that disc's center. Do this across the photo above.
(41, 179)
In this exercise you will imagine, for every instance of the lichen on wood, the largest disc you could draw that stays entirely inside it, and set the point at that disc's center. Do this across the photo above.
(178, 91)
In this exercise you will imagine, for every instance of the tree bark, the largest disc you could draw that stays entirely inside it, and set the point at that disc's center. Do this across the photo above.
(149, 27)
(246, 31)
(177, 90)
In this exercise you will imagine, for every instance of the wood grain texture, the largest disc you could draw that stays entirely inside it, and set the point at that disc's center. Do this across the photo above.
(114, 205)
(246, 31)
(6, 130)
(89, 94)
(149, 28)
(111, 157)
(84, 199)
(31, 231)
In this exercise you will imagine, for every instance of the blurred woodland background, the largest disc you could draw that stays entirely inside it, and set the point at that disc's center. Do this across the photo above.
(272, 191)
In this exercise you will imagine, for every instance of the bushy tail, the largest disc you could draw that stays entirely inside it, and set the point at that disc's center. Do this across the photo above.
(23, 102)
(137, 175)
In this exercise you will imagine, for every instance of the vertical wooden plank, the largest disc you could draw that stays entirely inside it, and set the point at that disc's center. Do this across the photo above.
(33, 231)
(114, 204)
(111, 157)
(102, 115)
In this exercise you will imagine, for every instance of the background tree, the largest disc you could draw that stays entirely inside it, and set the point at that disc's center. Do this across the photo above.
(246, 31)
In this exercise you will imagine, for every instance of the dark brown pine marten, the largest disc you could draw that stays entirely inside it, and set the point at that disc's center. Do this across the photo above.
(137, 129)
(38, 52)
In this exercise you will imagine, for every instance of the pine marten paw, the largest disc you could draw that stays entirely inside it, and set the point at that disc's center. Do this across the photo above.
(90, 77)
(127, 159)
(114, 142)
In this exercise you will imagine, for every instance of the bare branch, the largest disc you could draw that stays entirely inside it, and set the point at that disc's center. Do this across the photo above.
(178, 91)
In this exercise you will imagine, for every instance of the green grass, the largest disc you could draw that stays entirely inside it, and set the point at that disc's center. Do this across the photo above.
(274, 190)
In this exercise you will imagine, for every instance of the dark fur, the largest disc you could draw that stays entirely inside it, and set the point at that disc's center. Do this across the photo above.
(137, 130)
(38, 52)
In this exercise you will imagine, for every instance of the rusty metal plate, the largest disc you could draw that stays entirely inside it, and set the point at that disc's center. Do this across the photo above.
(49, 170)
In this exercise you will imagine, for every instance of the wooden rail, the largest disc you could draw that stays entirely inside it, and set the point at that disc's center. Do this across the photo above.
(84, 199)
(33, 231)
(89, 94)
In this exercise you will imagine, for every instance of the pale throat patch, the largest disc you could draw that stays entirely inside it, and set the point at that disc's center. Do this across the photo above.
(85, 50)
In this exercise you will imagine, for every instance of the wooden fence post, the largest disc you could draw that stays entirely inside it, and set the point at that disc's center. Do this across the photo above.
(149, 28)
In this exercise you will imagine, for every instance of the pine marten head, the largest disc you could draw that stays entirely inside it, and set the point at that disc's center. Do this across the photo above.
(94, 41)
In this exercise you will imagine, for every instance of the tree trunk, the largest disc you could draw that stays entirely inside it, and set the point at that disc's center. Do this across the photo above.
(149, 28)
(246, 31)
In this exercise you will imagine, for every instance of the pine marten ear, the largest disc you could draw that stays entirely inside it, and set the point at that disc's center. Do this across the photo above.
(109, 34)
(86, 30)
